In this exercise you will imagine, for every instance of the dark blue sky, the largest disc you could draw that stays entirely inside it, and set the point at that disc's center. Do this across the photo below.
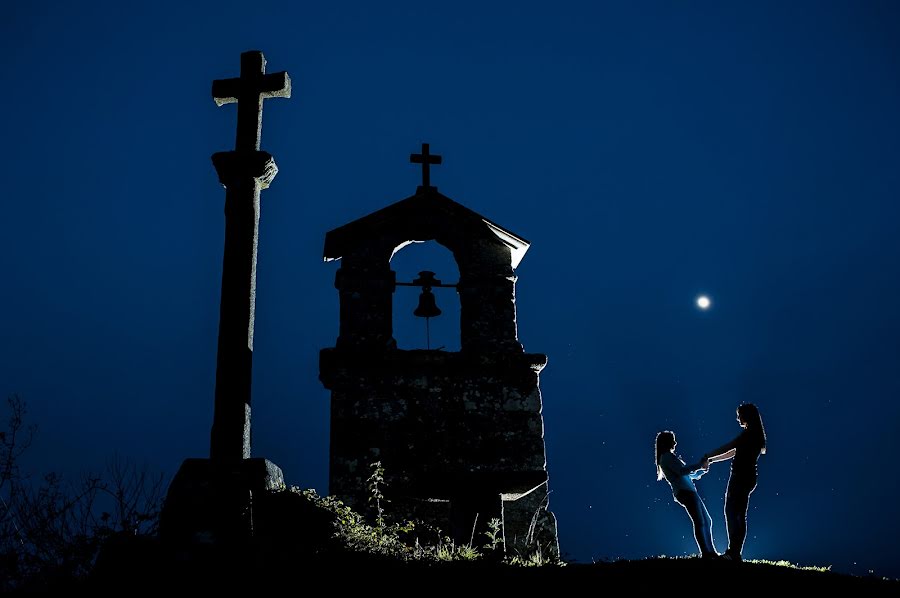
(650, 152)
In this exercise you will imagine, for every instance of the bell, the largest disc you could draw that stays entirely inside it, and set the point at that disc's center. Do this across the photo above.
(427, 308)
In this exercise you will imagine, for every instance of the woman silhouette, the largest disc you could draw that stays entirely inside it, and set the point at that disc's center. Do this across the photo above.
(745, 450)
(681, 479)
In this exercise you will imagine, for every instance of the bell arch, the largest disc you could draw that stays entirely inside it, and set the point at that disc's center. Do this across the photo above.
(436, 333)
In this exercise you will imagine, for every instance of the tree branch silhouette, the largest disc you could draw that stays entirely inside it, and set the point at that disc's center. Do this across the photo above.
(51, 531)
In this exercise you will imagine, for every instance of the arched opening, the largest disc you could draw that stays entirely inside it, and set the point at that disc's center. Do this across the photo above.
(410, 331)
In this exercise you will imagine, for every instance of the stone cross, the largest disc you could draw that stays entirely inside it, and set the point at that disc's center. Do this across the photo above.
(426, 160)
(243, 172)
(249, 90)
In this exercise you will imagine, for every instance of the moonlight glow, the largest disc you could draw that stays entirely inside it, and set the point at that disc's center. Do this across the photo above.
(703, 302)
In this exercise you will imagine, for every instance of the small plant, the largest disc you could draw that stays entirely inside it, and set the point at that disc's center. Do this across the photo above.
(536, 558)
(494, 534)
(446, 550)
(374, 484)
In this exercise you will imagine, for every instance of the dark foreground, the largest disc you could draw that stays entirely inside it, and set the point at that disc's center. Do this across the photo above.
(148, 567)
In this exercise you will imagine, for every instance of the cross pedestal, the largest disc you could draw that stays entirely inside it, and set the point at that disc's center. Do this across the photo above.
(211, 502)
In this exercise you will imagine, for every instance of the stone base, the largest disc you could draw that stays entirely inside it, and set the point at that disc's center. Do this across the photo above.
(211, 503)
(528, 525)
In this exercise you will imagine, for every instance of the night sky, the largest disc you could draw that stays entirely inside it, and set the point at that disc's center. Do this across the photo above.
(650, 152)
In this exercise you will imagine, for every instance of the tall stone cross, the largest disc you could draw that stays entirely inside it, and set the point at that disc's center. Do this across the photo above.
(243, 172)
(426, 160)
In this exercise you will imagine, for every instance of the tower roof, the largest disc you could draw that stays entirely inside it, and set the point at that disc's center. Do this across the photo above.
(427, 215)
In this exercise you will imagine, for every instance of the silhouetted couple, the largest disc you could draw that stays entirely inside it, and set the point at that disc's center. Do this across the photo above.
(744, 451)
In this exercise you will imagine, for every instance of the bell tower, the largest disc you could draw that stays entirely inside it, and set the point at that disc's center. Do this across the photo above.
(459, 434)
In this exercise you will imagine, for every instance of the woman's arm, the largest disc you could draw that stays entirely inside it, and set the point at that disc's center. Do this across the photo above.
(719, 453)
(713, 457)
(726, 451)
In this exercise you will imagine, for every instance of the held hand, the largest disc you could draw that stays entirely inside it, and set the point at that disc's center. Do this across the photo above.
(704, 462)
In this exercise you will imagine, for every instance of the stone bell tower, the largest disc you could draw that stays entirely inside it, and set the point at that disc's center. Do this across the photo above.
(459, 434)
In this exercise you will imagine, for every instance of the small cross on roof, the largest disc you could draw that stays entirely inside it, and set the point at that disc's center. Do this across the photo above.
(426, 159)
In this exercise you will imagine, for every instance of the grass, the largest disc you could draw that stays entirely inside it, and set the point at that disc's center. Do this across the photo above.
(780, 563)
(400, 540)
(791, 565)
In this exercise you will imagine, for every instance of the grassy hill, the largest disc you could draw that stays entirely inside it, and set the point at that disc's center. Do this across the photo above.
(359, 572)
(309, 541)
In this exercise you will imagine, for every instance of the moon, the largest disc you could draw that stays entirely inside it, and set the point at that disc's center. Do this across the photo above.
(703, 302)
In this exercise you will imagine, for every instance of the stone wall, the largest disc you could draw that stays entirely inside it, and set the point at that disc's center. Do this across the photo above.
(452, 427)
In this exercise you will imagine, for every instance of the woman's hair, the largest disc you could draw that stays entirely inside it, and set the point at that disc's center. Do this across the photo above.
(665, 441)
(749, 415)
